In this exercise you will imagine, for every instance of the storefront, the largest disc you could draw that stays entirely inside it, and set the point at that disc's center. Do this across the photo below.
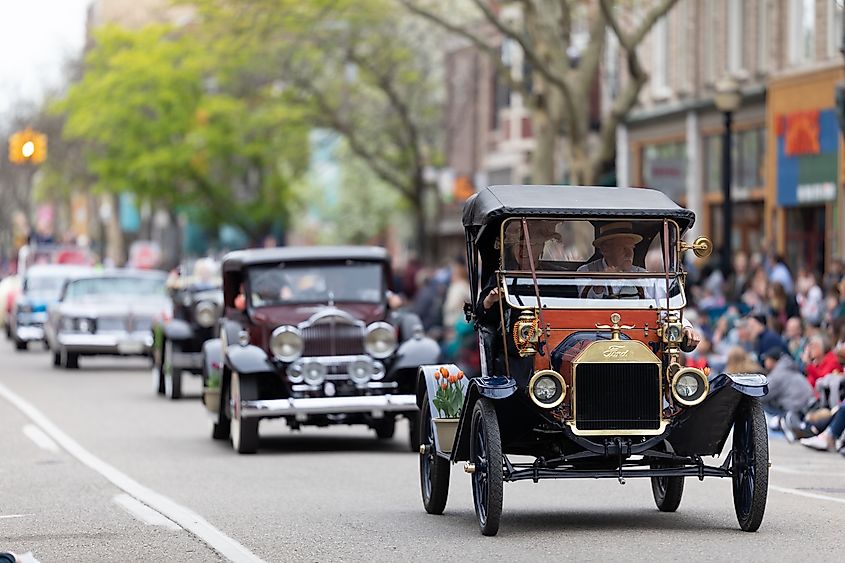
(805, 169)
(680, 154)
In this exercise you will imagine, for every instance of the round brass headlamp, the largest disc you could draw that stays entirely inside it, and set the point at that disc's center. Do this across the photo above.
(690, 386)
(547, 388)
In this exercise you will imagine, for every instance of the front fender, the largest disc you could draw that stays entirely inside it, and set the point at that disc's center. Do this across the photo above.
(248, 359)
(414, 353)
(751, 384)
(704, 428)
(178, 329)
(212, 358)
(495, 388)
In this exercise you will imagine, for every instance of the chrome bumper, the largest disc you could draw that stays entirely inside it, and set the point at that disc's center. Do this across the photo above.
(329, 405)
(29, 333)
(119, 343)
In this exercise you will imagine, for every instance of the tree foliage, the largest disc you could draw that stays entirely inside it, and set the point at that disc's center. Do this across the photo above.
(158, 121)
(362, 68)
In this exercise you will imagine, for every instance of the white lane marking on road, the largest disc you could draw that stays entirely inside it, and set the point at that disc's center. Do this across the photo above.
(183, 516)
(40, 438)
(806, 494)
(797, 471)
(5, 516)
(144, 513)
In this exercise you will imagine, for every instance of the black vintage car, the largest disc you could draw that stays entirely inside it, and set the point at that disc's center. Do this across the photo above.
(578, 299)
(308, 335)
(197, 304)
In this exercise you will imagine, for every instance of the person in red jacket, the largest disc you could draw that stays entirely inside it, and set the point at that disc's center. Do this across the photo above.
(819, 359)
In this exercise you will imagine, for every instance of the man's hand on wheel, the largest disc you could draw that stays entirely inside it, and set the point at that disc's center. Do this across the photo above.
(690, 340)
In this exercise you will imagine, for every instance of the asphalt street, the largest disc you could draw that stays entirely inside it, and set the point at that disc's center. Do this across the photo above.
(81, 448)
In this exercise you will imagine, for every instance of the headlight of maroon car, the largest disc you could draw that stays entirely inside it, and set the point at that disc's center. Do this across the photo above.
(381, 340)
(286, 343)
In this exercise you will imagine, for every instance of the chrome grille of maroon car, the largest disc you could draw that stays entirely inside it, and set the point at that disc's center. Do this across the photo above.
(333, 339)
(617, 396)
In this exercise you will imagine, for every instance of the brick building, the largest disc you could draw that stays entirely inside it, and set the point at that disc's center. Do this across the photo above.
(784, 55)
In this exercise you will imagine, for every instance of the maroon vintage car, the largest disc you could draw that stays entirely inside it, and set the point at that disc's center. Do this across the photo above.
(307, 335)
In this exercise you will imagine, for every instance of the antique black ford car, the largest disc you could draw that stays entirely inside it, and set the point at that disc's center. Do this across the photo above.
(307, 335)
(177, 341)
(578, 299)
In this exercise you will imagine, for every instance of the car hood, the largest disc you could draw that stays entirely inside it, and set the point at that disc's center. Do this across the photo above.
(277, 316)
(137, 307)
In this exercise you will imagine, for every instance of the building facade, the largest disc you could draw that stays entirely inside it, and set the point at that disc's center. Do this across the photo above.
(786, 177)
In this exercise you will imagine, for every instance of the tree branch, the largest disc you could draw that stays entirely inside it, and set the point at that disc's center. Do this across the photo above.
(382, 169)
(398, 104)
(527, 51)
(632, 41)
(628, 98)
(502, 70)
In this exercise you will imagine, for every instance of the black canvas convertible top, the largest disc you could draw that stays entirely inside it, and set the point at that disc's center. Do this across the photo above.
(495, 203)
(236, 260)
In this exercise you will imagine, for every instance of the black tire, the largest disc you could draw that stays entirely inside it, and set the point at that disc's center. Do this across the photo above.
(158, 368)
(414, 431)
(434, 470)
(68, 360)
(667, 492)
(750, 464)
(386, 427)
(486, 453)
(57, 359)
(220, 429)
(21, 345)
(243, 432)
(172, 377)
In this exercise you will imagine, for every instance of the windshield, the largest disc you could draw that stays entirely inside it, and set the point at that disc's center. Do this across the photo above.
(350, 282)
(100, 288)
(43, 287)
(614, 246)
(604, 292)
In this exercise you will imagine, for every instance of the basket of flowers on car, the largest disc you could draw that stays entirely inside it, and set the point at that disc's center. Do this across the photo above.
(446, 386)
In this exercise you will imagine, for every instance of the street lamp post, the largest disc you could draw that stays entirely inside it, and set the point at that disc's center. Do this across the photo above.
(727, 100)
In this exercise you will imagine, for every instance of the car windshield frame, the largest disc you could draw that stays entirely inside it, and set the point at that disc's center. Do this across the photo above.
(331, 290)
(52, 292)
(157, 288)
(511, 241)
(593, 290)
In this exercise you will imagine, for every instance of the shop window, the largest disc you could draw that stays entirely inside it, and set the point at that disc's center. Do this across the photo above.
(802, 30)
(747, 154)
(747, 219)
(805, 238)
(665, 168)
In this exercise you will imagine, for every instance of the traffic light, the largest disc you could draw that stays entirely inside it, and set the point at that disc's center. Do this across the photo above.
(27, 146)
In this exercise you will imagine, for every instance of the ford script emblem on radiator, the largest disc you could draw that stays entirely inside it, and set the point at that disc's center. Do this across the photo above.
(616, 351)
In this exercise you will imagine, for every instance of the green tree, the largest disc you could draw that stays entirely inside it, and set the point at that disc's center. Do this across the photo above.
(156, 121)
(359, 67)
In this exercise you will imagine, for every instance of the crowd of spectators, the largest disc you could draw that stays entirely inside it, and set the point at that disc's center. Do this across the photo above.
(762, 318)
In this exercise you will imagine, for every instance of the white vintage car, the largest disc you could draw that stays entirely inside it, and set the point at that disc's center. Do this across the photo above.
(107, 313)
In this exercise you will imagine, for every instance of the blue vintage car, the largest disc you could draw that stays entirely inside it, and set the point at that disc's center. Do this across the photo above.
(41, 287)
